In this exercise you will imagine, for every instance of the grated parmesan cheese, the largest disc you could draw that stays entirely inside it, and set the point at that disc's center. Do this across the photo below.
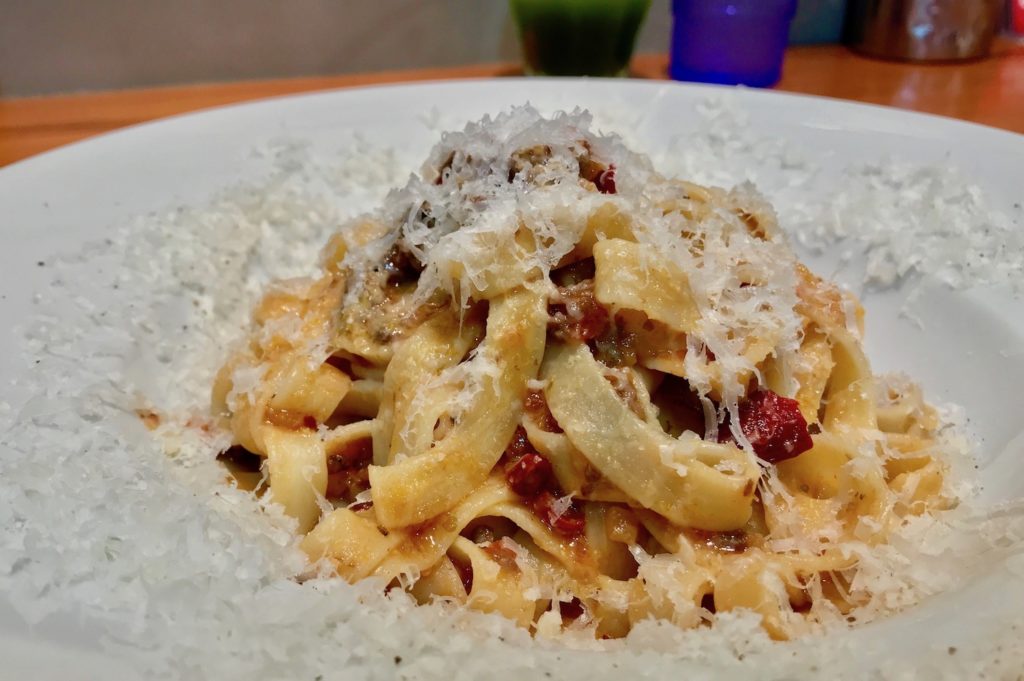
(907, 223)
(483, 188)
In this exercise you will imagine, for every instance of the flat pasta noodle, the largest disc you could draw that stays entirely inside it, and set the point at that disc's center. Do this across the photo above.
(297, 468)
(627, 275)
(546, 382)
(420, 487)
(681, 479)
(436, 345)
(496, 586)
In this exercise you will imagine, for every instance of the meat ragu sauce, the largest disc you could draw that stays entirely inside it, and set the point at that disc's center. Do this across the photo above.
(577, 316)
(347, 473)
(536, 407)
(530, 476)
(617, 345)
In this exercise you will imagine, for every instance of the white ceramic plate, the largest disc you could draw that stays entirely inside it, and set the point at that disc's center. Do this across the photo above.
(968, 349)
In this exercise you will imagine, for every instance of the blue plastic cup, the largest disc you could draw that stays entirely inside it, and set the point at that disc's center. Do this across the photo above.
(734, 42)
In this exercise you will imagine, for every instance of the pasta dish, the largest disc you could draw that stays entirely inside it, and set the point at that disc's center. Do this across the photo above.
(544, 380)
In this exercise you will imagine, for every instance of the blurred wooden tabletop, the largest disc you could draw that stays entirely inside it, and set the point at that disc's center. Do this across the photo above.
(990, 91)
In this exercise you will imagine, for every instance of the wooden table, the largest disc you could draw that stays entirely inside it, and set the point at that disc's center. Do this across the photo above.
(990, 91)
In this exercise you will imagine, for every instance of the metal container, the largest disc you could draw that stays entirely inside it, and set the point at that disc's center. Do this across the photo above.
(923, 30)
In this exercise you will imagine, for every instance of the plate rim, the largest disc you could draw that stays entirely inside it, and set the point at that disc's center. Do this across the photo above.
(1015, 139)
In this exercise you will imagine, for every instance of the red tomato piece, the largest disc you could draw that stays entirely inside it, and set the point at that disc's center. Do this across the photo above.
(774, 426)
(530, 475)
(569, 522)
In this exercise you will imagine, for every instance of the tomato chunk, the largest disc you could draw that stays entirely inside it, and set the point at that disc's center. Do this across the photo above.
(568, 520)
(773, 424)
(529, 475)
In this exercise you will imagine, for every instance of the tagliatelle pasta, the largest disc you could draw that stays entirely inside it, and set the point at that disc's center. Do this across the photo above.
(546, 381)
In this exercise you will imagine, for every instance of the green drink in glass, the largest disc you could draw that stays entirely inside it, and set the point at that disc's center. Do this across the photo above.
(578, 37)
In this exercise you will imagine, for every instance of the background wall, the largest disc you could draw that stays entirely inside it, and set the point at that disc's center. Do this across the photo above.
(50, 46)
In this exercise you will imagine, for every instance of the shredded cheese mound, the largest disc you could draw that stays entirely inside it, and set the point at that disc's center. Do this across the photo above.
(483, 188)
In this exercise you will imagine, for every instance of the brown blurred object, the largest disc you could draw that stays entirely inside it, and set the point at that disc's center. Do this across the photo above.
(923, 30)
(989, 92)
